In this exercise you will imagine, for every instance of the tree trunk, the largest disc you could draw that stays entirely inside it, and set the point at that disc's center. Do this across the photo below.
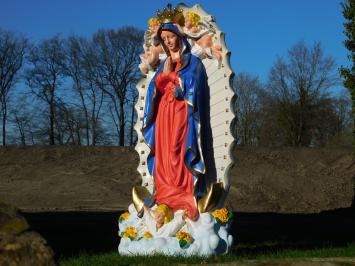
(21, 130)
(4, 126)
(122, 120)
(4, 117)
(87, 128)
(51, 118)
(93, 121)
(132, 125)
(93, 141)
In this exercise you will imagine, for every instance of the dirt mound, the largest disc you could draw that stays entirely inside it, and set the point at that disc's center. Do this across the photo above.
(67, 177)
(100, 178)
(292, 180)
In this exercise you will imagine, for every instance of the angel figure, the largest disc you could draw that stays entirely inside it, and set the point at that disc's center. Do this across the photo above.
(152, 48)
(162, 222)
(202, 43)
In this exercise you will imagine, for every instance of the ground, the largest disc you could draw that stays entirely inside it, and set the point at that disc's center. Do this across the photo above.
(283, 180)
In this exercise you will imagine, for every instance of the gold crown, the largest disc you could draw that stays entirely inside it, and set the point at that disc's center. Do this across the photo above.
(171, 15)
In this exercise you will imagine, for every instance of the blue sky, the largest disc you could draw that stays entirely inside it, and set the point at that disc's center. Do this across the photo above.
(256, 31)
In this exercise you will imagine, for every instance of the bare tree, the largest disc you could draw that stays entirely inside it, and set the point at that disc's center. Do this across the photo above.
(83, 68)
(348, 73)
(21, 117)
(341, 125)
(26, 116)
(45, 76)
(118, 56)
(70, 123)
(74, 69)
(12, 52)
(94, 89)
(342, 108)
(247, 105)
(298, 86)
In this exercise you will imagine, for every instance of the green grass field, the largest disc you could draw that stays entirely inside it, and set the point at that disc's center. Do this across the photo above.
(114, 258)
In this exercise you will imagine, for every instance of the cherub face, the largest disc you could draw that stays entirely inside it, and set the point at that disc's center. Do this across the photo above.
(159, 217)
(188, 23)
(154, 26)
(171, 40)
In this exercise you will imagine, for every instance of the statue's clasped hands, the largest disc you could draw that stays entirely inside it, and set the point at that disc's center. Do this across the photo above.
(169, 80)
(168, 66)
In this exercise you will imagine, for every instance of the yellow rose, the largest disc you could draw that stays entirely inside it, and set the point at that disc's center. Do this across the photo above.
(222, 214)
(184, 236)
(181, 235)
(147, 235)
(130, 229)
(130, 232)
(125, 215)
(224, 211)
(215, 213)
(188, 239)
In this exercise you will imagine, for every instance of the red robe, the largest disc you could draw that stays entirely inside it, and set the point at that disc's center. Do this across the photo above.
(173, 181)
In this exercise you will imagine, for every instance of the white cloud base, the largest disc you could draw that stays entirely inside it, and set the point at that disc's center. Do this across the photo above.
(209, 238)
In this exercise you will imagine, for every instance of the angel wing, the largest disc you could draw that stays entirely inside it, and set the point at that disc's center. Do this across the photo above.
(221, 115)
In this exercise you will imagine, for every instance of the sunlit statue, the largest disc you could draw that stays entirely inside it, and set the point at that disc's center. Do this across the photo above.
(179, 209)
(172, 123)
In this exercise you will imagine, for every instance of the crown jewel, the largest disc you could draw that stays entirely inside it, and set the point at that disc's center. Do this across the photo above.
(171, 15)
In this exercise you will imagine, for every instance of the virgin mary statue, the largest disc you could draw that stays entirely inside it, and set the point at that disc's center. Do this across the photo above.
(187, 137)
(174, 123)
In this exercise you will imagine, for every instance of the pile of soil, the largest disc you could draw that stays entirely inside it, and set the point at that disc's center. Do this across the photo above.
(68, 177)
(283, 180)
(292, 180)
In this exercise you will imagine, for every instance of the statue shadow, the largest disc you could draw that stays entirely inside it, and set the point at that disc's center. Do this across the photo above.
(207, 138)
(269, 232)
(74, 233)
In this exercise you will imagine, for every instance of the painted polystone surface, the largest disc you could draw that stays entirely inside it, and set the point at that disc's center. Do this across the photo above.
(183, 129)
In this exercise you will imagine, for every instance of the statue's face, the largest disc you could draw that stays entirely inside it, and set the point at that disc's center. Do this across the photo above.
(171, 40)
(188, 23)
(154, 26)
(159, 217)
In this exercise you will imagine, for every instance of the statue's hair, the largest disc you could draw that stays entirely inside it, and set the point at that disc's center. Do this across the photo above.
(195, 18)
(153, 19)
(166, 211)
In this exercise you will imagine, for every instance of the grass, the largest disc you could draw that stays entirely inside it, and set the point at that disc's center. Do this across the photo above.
(114, 258)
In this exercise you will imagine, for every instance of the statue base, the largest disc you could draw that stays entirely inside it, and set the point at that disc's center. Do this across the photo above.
(205, 237)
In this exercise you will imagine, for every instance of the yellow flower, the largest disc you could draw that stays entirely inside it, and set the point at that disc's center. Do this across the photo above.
(222, 215)
(125, 215)
(224, 211)
(188, 239)
(130, 228)
(130, 232)
(184, 236)
(147, 235)
(180, 235)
